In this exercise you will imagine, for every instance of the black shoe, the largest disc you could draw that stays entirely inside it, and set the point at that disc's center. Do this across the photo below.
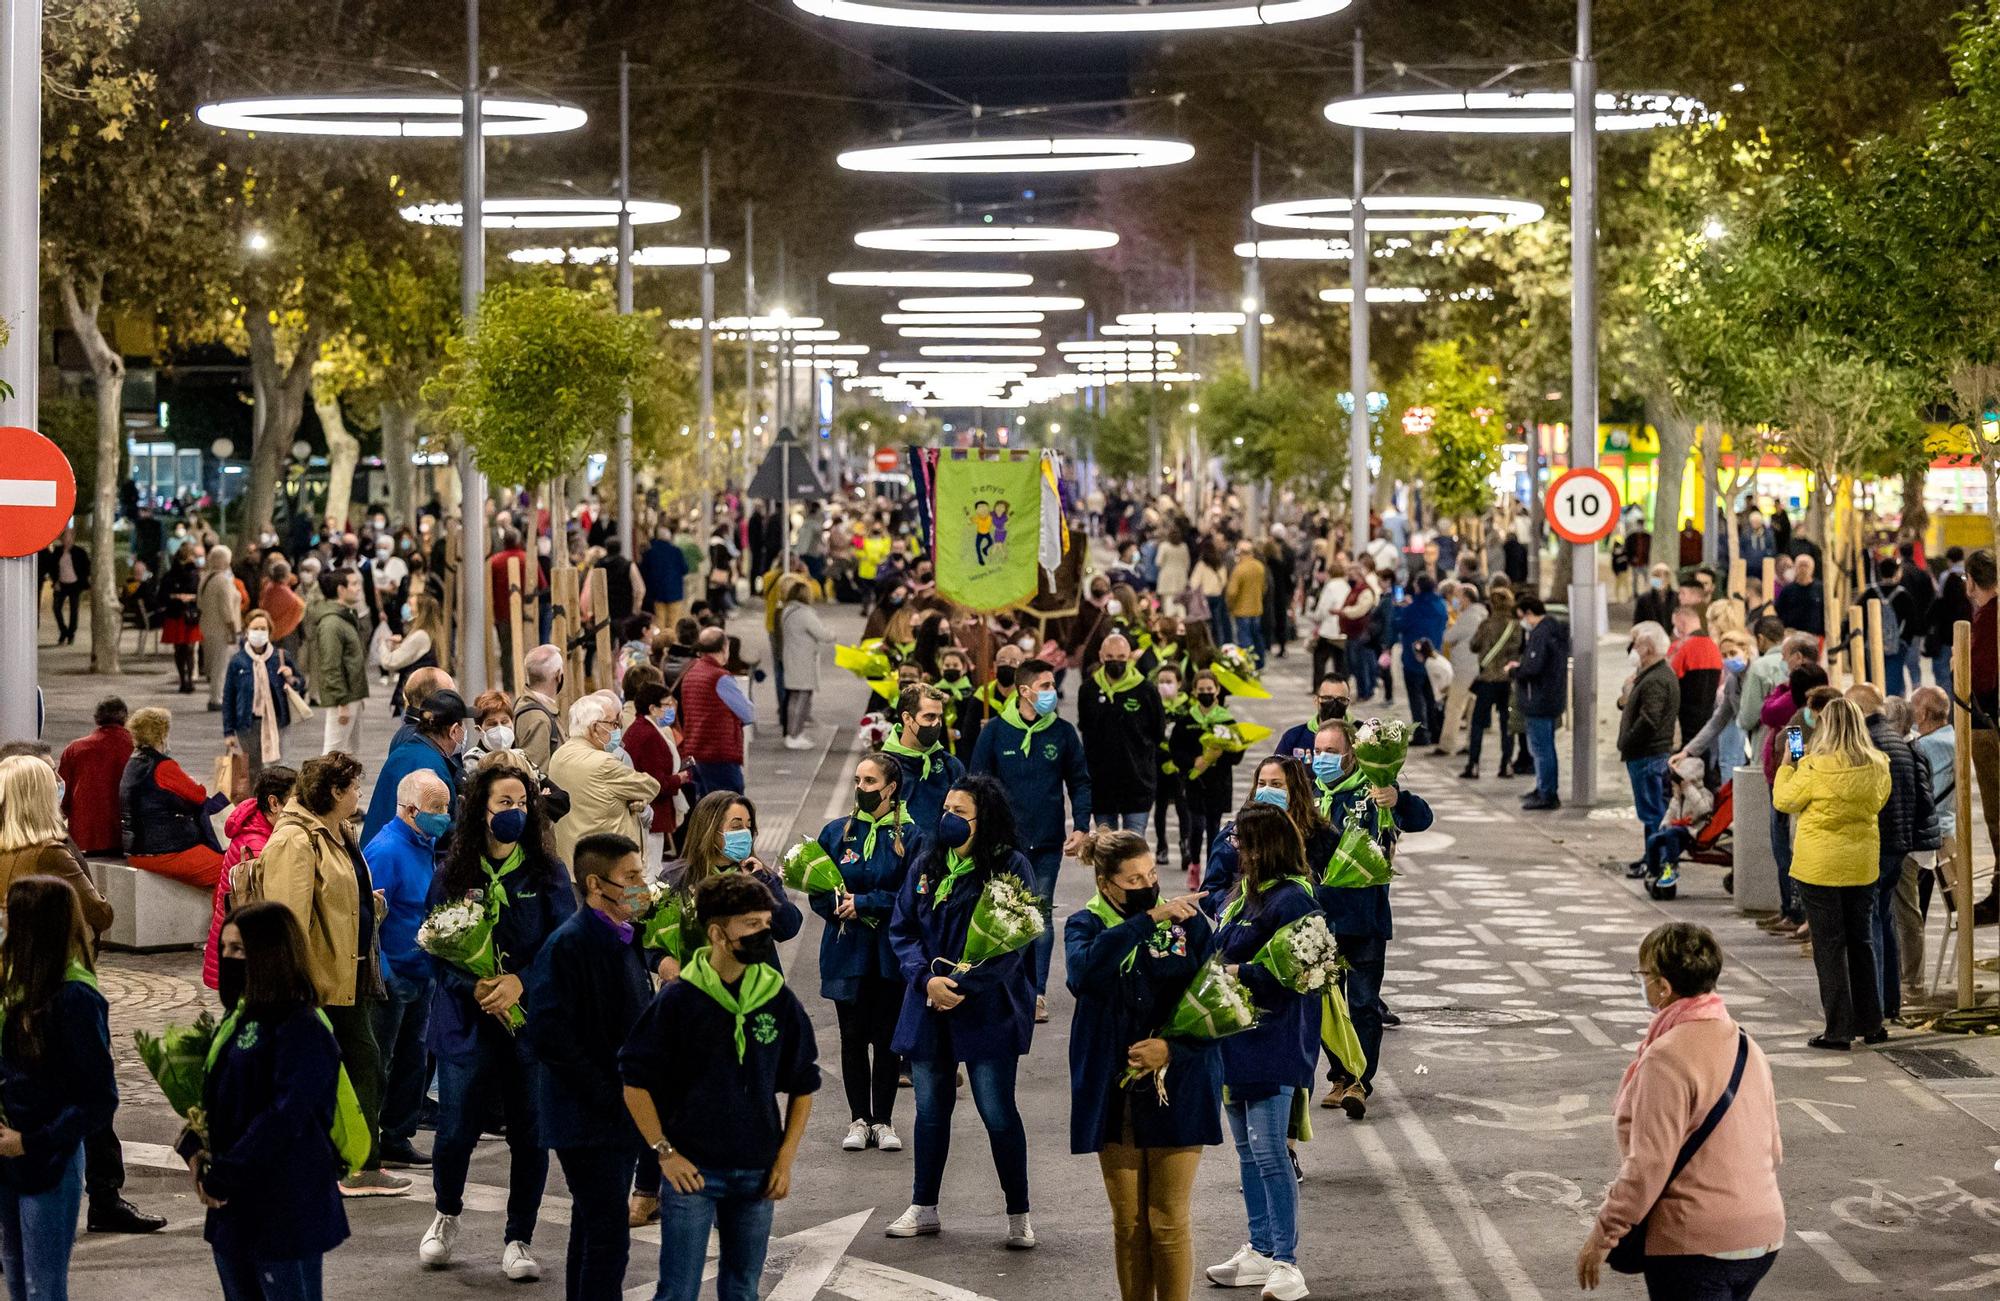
(1540, 803)
(1505, 771)
(1635, 869)
(1298, 1171)
(1729, 882)
(1986, 911)
(1830, 1045)
(1469, 772)
(400, 1154)
(1390, 1020)
(1879, 1037)
(119, 1216)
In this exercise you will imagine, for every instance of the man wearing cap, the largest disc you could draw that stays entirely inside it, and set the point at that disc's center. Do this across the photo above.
(431, 742)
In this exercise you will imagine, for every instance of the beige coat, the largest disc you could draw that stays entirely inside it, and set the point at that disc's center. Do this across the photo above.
(221, 607)
(601, 794)
(309, 870)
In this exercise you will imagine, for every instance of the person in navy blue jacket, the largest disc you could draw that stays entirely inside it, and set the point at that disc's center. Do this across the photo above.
(1358, 916)
(929, 768)
(440, 726)
(982, 1019)
(1422, 616)
(1035, 756)
(268, 1171)
(56, 1081)
(1283, 784)
(587, 988)
(1131, 957)
(1263, 1068)
(503, 856)
(1331, 700)
(872, 847)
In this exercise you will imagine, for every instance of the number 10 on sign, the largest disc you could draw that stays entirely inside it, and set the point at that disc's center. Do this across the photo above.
(1582, 506)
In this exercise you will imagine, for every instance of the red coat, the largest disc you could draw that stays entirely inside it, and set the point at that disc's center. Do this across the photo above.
(651, 756)
(90, 768)
(248, 829)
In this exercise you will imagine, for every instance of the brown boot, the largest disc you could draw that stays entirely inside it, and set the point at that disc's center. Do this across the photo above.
(644, 1211)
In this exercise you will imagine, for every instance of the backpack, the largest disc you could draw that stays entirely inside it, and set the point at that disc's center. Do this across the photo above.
(246, 882)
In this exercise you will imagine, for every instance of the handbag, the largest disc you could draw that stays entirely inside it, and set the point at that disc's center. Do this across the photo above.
(1629, 1256)
(301, 708)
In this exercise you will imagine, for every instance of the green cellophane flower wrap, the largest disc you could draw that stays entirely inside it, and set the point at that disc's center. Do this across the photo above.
(177, 1059)
(808, 869)
(1303, 955)
(1215, 1006)
(1357, 859)
(461, 933)
(1007, 918)
(1380, 747)
(665, 924)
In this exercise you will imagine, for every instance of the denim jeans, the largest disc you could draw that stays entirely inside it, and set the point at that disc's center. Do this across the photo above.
(400, 1022)
(599, 1241)
(717, 777)
(1542, 747)
(1941, 670)
(466, 1086)
(1666, 846)
(1893, 673)
(1888, 953)
(1367, 958)
(1117, 821)
(1250, 635)
(732, 1203)
(1704, 1278)
(992, 1084)
(1649, 792)
(1781, 850)
(37, 1231)
(1270, 1190)
(249, 1278)
(1046, 864)
(1361, 667)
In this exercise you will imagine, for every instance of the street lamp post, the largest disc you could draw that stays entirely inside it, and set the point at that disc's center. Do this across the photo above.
(628, 538)
(1359, 490)
(20, 303)
(1584, 594)
(471, 284)
(705, 430)
(1253, 282)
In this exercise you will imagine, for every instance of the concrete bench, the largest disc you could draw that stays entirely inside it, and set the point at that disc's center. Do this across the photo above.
(1750, 838)
(151, 913)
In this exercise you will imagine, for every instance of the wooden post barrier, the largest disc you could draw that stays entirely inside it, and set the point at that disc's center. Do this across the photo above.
(1961, 719)
(520, 651)
(1738, 578)
(600, 610)
(1770, 579)
(1878, 669)
(1857, 647)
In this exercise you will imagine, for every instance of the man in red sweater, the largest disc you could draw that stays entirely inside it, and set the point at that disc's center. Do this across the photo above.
(90, 768)
(713, 713)
(499, 611)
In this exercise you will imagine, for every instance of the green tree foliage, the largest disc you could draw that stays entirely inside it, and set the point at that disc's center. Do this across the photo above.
(541, 382)
(1116, 439)
(1461, 403)
(1287, 431)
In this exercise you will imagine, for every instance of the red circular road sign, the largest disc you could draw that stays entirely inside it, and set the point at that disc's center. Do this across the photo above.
(37, 491)
(1582, 506)
(887, 459)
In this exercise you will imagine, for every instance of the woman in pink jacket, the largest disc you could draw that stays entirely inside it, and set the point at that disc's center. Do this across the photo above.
(248, 827)
(1712, 1230)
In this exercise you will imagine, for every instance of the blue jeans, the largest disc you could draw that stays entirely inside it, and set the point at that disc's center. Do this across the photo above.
(1649, 791)
(731, 1202)
(1781, 849)
(466, 1087)
(37, 1231)
(1270, 1190)
(1250, 635)
(1704, 1278)
(599, 1241)
(1542, 748)
(1666, 846)
(1045, 864)
(1941, 670)
(1894, 672)
(1361, 667)
(1121, 821)
(716, 777)
(250, 1278)
(400, 1022)
(992, 1083)
(1367, 958)
(1888, 960)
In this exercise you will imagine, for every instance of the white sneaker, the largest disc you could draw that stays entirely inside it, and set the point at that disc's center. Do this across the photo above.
(1285, 1283)
(1245, 1269)
(857, 1137)
(519, 1264)
(798, 743)
(1020, 1233)
(918, 1221)
(886, 1138)
(435, 1250)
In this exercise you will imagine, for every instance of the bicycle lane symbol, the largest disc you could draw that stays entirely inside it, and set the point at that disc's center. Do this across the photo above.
(1546, 1188)
(1884, 1210)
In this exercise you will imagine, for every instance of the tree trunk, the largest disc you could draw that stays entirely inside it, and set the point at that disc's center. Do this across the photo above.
(1711, 490)
(1916, 516)
(279, 390)
(1676, 432)
(107, 369)
(343, 457)
(399, 443)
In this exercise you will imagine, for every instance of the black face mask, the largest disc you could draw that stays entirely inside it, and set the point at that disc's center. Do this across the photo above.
(230, 977)
(759, 948)
(927, 736)
(1115, 669)
(1205, 697)
(1332, 709)
(866, 800)
(952, 675)
(1141, 899)
(1003, 674)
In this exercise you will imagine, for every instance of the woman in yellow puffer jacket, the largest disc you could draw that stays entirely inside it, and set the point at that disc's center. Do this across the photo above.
(1835, 792)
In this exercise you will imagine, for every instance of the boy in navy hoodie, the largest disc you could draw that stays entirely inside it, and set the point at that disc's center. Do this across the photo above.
(702, 1072)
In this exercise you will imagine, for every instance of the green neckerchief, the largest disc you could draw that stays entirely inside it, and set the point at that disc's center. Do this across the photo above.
(903, 649)
(1126, 682)
(958, 690)
(897, 816)
(1235, 905)
(496, 893)
(1102, 909)
(1165, 651)
(1178, 705)
(1012, 714)
(893, 746)
(955, 866)
(1353, 779)
(761, 983)
(1207, 718)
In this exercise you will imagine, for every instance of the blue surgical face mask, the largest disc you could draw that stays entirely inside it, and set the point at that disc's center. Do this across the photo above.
(1276, 796)
(953, 831)
(736, 845)
(1326, 767)
(1045, 701)
(508, 825)
(434, 825)
(667, 714)
(617, 740)
(1735, 663)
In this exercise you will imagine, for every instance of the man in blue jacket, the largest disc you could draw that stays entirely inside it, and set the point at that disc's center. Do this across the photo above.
(402, 858)
(433, 747)
(1331, 700)
(1036, 755)
(664, 569)
(929, 767)
(1543, 675)
(586, 990)
(1421, 617)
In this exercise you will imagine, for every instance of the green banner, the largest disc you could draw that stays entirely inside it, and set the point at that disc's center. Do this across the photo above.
(989, 526)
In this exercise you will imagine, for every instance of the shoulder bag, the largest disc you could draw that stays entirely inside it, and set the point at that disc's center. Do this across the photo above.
(1629, 1256)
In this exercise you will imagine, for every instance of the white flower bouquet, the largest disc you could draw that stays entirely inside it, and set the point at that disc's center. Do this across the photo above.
(1236, 673)
(874, 729)
(1380, 746)
(1303, 955)
(1007, 918)
(461, 933)
(664, 927)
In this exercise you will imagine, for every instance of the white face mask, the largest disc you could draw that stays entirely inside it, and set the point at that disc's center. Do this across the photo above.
(1114, 607)
(500, 737)
(258, 638)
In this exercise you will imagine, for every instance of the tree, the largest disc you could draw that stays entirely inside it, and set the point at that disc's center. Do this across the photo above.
(1460, 422)
(1116, 438)
(1285, 432)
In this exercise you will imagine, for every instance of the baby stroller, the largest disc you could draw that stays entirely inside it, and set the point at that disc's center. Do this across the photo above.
(1698, 829)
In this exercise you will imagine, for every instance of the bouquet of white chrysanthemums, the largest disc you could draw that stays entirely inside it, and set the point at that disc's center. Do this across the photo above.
(461, 933)
(1215, 1006)
(1303, 955)
(1007, 918)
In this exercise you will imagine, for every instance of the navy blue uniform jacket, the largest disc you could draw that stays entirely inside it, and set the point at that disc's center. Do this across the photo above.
(533, 911)
(65, 1096)
(997, 1018)
(1116, 1008)
(1364, 910)
(1219, 877)
(924, 796)
(585, 991)
(1283, 1048)
(1035, 780)
(850, 951)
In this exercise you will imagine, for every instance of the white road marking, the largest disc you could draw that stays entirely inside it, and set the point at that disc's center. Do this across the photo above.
(1483, 934)
(1977, 1281)
(871, 1280)
(27, 492)
(1811, 1106)
(1430, 1243)
(1590, 1032)
(1835, 1255)
(1529, 975)
(1921, 1095)
(820, 1250)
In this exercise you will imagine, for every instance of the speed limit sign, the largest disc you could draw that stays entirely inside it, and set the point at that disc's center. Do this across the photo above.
(1582, 506)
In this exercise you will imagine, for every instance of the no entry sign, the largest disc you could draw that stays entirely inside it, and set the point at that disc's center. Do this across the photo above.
(37, 491)
(1582, 506)
(887, 460)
